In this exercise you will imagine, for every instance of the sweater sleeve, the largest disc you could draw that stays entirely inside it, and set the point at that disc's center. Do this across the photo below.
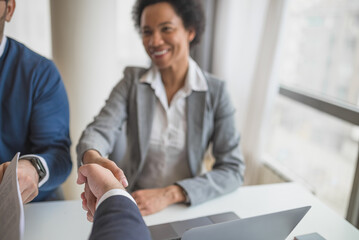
(49, 123)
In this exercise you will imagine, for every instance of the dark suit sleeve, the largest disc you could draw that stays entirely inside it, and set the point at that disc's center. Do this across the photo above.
(119, 218)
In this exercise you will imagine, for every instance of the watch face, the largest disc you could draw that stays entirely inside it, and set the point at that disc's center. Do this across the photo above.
(36, 162)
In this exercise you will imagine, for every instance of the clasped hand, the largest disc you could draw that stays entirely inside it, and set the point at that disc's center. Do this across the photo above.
(98, 180)
(28, 179)
(148, 201)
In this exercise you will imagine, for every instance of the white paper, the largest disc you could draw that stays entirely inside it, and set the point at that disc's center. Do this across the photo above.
(11, 207)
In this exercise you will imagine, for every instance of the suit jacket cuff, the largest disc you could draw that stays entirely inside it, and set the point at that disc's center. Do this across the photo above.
(114, 192)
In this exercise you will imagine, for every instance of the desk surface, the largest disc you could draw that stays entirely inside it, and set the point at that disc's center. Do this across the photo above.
(67, 220)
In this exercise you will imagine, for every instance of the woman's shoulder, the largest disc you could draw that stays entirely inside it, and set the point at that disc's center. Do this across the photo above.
(215, 84)
(132, 72)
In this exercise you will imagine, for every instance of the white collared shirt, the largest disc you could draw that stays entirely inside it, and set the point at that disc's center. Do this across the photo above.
(2, 45)
(166, 160)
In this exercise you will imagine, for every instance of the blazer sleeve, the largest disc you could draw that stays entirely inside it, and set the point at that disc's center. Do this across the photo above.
(49, 124)
(228, 170)
(119, 218)
(102, 133)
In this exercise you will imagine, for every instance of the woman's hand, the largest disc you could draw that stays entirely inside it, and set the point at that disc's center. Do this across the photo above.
(92, 156)
(98, 181)
(89, 199)
(150, 201)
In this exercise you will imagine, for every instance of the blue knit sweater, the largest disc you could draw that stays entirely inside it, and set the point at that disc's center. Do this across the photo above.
(34, 112)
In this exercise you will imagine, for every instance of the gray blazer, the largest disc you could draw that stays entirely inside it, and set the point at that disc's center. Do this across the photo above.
(210, 119)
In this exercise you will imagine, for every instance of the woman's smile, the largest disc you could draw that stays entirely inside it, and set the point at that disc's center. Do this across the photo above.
(159, 53)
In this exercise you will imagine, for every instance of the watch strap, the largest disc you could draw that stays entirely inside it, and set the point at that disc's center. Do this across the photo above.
(36, 162)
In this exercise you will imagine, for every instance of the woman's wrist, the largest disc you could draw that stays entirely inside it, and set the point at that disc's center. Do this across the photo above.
(90, 156)
(175, 194)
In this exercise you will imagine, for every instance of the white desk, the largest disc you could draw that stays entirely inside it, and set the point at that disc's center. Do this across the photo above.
(66, 219)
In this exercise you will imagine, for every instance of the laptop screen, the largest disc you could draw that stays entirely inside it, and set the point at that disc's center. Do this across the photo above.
(274, 226)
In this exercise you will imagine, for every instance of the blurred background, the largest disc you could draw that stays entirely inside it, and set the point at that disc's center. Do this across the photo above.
(291, 66)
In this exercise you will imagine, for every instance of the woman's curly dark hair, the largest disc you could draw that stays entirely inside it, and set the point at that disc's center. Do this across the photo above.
(190, 11)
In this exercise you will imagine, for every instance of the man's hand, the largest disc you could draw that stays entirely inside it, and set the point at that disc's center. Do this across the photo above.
(89, 202)
(92, 156)
(28, 180)
(98, 181)
(2, 169)
(150, 201)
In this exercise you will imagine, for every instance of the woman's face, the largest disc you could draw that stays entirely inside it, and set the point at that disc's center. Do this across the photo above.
(164, 36)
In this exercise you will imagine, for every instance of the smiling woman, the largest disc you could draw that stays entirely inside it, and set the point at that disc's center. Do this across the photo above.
(166, 41)
(172, 111)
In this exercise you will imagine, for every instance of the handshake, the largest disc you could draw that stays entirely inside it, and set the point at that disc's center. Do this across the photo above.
(98, 181)
(117, 215)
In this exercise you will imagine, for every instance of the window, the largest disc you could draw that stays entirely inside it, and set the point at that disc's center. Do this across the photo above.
(320, 48)
(318, 150)
(318, 55)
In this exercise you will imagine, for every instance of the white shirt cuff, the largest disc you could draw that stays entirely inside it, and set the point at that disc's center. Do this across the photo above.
(114, 192)
(44, 163)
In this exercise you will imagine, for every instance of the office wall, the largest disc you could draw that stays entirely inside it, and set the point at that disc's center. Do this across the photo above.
(91, 43)
(31, 25)
(83, 39)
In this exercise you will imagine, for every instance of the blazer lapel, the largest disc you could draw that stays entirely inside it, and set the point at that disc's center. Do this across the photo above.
(196, 104)
(145, 109)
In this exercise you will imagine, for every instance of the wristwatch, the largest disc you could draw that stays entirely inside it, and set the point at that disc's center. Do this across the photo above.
(36, 162)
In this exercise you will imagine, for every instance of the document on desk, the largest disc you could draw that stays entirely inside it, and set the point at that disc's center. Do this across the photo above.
(11, 207)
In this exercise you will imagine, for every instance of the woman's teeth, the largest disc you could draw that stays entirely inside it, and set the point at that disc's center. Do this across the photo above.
(159, 53)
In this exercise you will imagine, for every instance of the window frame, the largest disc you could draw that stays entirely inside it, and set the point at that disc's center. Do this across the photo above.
(339, 110)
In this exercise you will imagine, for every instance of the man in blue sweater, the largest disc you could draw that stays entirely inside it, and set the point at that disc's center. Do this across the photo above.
(34, 117)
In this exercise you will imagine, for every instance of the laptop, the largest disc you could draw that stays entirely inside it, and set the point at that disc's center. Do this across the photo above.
(174, 230)
(274, 226)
